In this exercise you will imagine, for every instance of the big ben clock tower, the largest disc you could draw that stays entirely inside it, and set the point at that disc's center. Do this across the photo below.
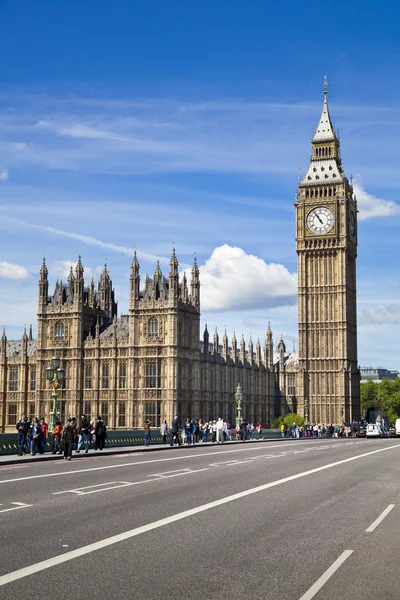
(326, 243)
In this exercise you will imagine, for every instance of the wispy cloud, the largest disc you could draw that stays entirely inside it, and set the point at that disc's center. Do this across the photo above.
(3, 174)
(379, 315)
(85, 239)
(13, 271)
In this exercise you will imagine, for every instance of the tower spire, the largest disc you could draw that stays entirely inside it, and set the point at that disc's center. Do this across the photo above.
(325, 131)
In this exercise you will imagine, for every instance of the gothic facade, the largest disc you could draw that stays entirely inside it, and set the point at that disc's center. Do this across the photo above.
(149, 363)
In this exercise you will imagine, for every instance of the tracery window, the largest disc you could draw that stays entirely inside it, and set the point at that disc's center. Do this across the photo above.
(88, 375)
(153, 375)
(33, 380)
(59, 332)
(121, 414)
(105, 376)
(12, 414)
(13, 380)
(153, 328)
(122, 375)
(153, 413)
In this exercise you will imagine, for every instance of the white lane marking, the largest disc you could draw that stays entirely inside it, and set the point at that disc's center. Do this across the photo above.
(85, 488)
(19, 505)
(121, 484)
(379, 520)
(147, 462)
(314, 589)
(168, 472)
(83, 550)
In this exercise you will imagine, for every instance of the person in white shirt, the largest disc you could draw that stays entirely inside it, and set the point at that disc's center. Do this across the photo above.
(220, 431)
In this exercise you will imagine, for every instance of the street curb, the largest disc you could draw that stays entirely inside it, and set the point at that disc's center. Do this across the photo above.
(131, 450)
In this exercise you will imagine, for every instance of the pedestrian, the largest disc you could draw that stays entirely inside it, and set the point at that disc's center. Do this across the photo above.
(57, 432)
(282, 431)
(188, 430)
(84, 434)
(164, 431)
(213, 432)
(69, 435)
(220, 431)
(243, 430)
(147, 432)
(100, 432)
(44, 433)
(259, 429)
(23, 429)
(205, 432)
(35, 435)
(175, 432)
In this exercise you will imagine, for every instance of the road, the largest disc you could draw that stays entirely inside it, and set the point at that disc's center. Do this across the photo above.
(294, 519)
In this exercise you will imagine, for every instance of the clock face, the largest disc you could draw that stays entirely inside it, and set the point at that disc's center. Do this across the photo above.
(320, 220)
(352, 224)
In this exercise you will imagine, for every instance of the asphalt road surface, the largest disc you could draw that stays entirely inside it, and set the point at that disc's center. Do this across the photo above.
(295, 519)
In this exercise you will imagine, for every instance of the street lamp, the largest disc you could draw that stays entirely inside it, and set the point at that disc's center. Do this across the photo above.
(55, 374)
(239, 399)
(306, 409)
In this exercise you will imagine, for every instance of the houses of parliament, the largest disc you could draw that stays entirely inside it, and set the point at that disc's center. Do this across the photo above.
(153, 362)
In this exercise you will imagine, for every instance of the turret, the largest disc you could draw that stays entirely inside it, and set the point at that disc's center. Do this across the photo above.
(30, 333)
(157, 282)
(258, 353)
(173, 279)
(216, 342)
(234, 348)
(269, 348)
(135, 280)
(79, 283)
(281, 350)
(250, 352)
(71, 282)
(105, 291)
(242, 350)
(184, 289)
(3, 347)
(43, 285)
(92, 294)
(195, 285)
(206, 340)
(225, 349)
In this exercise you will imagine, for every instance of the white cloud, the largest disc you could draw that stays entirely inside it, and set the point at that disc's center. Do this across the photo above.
(234, 280)
(379, 315)
(3, 174)
(13, 271)
(61, 269)
(370, 206)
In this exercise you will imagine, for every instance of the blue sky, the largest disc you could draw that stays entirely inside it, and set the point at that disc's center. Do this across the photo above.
(151, 122)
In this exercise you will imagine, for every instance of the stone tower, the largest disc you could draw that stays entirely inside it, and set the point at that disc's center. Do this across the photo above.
(326, 243)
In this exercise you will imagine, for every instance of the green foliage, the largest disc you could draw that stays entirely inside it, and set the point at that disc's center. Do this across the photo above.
(288, 420)
(384, 396)
(294, 418)
(276, 423)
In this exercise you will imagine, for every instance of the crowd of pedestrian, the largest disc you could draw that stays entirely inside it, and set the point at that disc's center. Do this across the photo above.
(33, 436)
(320, 431)
(197, 431)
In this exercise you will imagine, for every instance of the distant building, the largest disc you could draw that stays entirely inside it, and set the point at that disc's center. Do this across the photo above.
(376, 374)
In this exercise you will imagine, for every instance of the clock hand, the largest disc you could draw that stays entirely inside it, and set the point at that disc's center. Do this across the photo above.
(319, 218)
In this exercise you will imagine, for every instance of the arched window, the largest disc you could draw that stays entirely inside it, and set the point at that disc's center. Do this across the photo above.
(88, 375)
(105, 377)
(60, 332)
(153, 328)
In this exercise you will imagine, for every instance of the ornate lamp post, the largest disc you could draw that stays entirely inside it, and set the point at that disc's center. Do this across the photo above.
(306, 409)
(55, 374)
(239, 399)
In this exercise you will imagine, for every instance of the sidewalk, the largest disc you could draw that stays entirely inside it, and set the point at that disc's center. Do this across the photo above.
(9, 459)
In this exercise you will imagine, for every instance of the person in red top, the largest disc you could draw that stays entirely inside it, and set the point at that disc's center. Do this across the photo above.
(45, 433)
(57, 431)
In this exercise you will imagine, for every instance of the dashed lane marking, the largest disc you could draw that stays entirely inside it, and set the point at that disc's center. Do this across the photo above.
(132, 533)
(16, 506)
